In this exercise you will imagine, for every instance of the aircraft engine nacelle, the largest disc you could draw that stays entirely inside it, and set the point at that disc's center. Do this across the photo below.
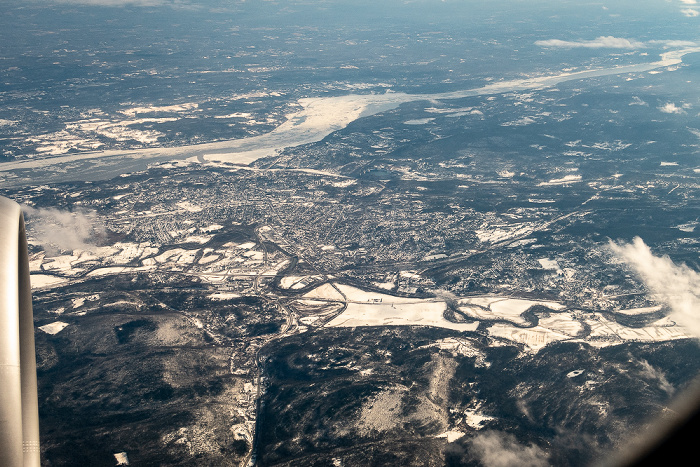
(19, 412)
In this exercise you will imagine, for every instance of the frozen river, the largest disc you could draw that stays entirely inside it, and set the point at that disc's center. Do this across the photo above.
(317, 118)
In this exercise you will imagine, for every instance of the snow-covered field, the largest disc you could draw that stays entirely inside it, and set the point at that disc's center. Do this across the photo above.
(298, 282)
(363, 307)
(534, 338)
(505, 308)
(604, 330)
(42, 280)
(422, 313)
(366, 308)
(209, 264)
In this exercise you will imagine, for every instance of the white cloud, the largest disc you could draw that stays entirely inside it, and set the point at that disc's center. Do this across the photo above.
(612, 42)
(649, 372)
(598, 43)
(677, 286)
(671, 108)
(116, 2)
(54, 228)
(689, 2)
(690, 12)
(496, 449)
(675, 43)
(637, 101)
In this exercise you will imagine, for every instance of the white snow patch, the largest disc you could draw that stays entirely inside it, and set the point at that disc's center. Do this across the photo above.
(562, 181)
(640, 311)
(308, 320)
(500, 233)
(450, 435)
(344, 183)
(475, 419)
(42, 280)
(187, 206)
(177, 255)
(208, 259)
(293, 282)
(689, 227)
(107, 271)
(535, 338)
(434, 257)
(235, 115)
(419, 121)
(121, 458)
(541, 201)
(53, 328)
(155, 109)
(464, 347)
(223, 296)
(325, 291)
(201, 239)
(548, 264)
